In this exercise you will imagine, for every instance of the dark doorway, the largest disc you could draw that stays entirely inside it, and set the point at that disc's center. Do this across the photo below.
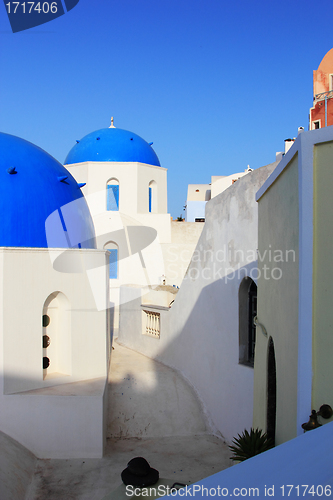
(247, 300)
(271, 391)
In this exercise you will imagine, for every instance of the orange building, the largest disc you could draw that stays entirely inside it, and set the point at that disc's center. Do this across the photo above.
(321, 114)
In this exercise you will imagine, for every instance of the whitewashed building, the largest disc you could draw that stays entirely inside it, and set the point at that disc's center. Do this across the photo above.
(199, 194)
(126, 191)
(53, 308)
(206, 330)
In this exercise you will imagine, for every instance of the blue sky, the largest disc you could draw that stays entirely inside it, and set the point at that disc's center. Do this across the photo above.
(215, 85)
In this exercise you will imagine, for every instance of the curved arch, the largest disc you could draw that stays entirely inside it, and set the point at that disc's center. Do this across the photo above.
(56, 335)
(271, 390)
(112, 195)
(247, 310)
(152, 190)
(113, 250)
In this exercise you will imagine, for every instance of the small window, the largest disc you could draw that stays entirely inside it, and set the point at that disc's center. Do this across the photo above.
(316, 125)
(331, 82)
(150, 198)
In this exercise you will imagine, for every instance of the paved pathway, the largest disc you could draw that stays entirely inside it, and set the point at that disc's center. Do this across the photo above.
(175, 442)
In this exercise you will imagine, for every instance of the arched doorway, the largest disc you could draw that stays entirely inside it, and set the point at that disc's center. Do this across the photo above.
(113, 250)
(247, 310)
(271, 391)
(56, 336)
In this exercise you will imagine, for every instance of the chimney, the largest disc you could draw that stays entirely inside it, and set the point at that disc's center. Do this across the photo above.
(287, 144)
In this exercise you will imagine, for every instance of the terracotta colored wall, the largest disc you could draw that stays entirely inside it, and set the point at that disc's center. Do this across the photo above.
(321, 83)
(321, 76)
(318, 113)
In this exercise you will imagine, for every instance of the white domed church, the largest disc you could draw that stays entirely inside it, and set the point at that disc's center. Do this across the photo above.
(69, 238)
(126, 191)
(54, 308)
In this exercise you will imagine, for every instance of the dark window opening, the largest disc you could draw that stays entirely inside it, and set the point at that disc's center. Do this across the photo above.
(251, 326)
(247, 299)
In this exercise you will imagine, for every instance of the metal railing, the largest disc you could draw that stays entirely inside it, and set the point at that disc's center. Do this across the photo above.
(323, 95)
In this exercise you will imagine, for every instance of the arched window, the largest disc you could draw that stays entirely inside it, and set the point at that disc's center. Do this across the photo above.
(113, 250)
(112, 195)
(247, 300)
(56, 335)
(152, 194)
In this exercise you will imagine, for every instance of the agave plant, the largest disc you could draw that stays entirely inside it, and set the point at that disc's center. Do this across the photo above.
(249, 444)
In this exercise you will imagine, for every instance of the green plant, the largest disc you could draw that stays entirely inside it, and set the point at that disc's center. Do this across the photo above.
(249, 444)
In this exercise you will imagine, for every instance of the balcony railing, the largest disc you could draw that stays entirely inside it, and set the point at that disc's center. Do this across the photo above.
(152, 323)
(323, 95)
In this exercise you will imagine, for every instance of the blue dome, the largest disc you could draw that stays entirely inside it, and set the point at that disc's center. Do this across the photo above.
(41, 204)
(112, 144)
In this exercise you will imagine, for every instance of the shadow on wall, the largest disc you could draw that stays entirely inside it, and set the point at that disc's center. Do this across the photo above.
(205, 348)
(17, 466)
(148, 399)
(52, 422)
(199, 338)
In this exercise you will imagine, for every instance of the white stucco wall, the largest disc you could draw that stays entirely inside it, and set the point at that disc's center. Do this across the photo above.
(198, 192)
(300, 197)
(147, 242)
(195, 210)
(133, 300)
(322, 276)
(177, 253)
(146, 174)
(134, 179)
(221, 184)
(199, 334)
(54, 414)
(278, 301)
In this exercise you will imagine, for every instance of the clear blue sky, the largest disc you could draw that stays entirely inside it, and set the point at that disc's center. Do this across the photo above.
(215, 85)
